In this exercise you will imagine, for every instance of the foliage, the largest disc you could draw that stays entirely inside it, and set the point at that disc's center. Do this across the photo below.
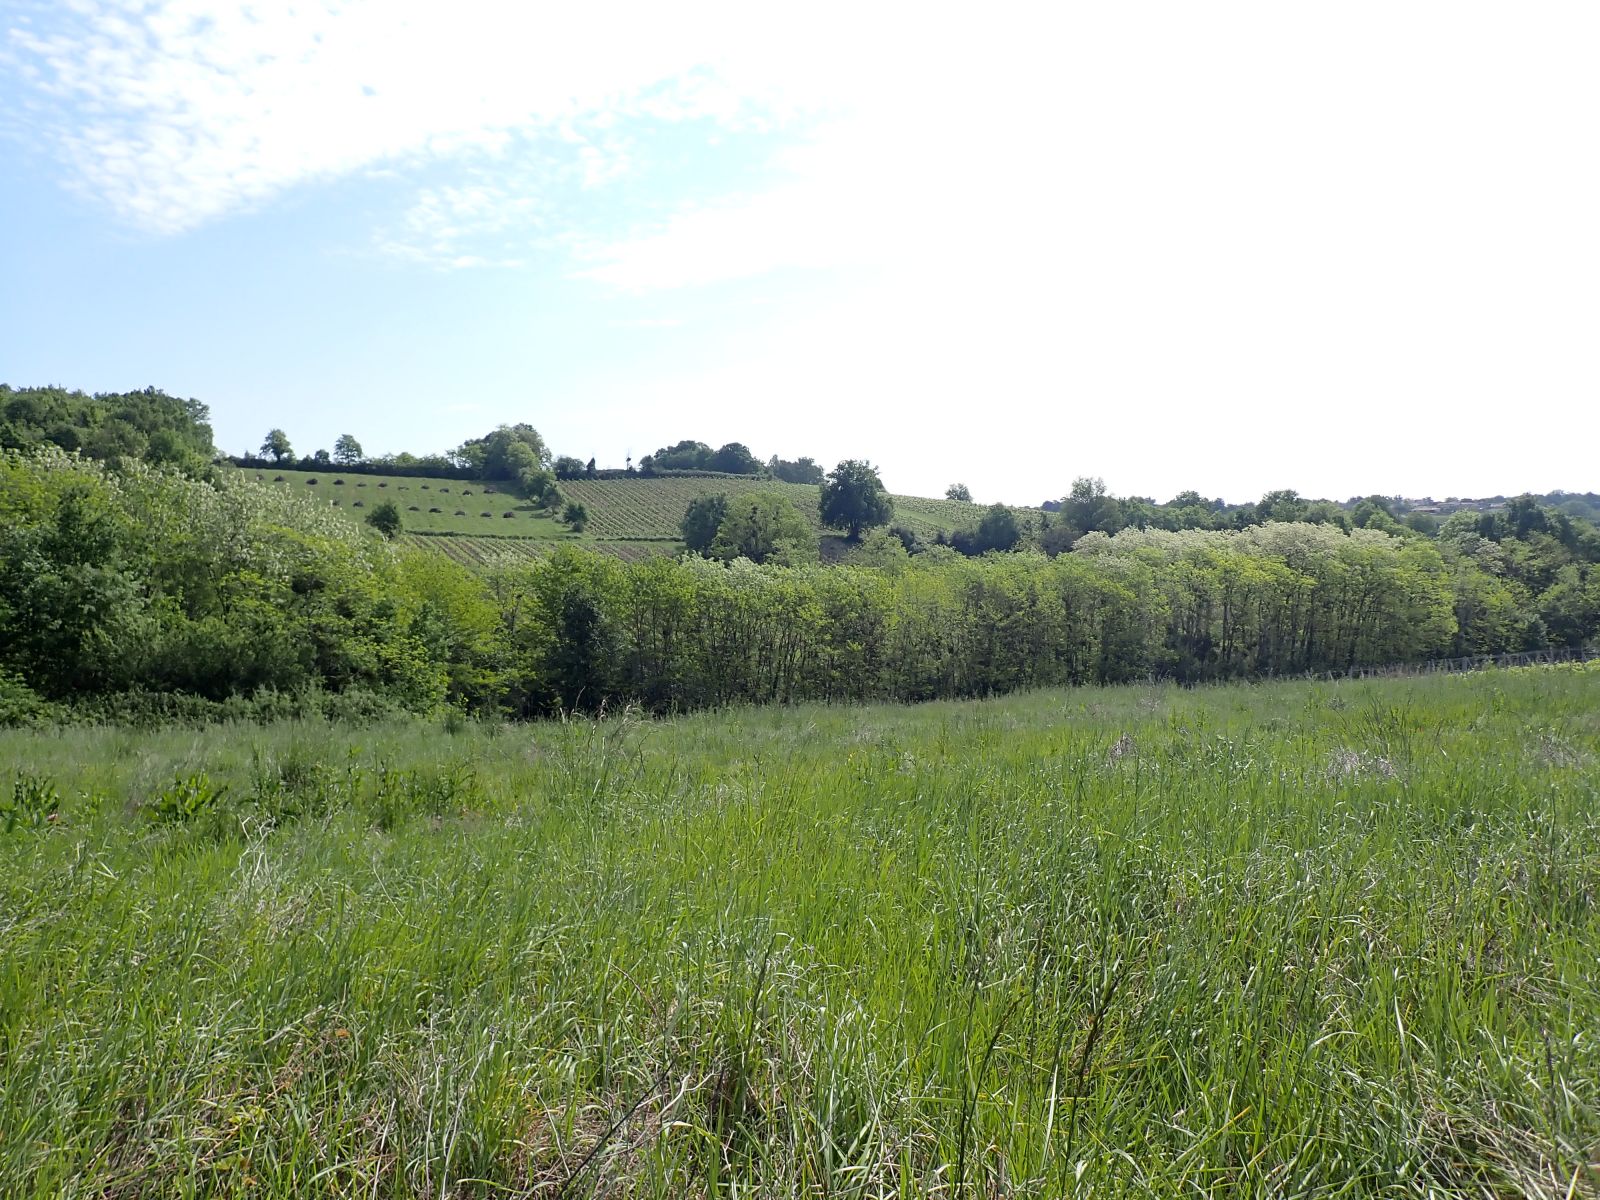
(148, 425)
(347, 451)
(276, 444)
(701, 520)
(801, 470)
(513, 453)
(958, 491)
(853, 498)
(385, 518)
(732, 459)
(567, 467)
(997, 530)
(140, 591)
(575, 515)
(763, 527)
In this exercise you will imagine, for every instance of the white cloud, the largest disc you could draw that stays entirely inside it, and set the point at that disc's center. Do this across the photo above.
(1279, 226)
(175, 113)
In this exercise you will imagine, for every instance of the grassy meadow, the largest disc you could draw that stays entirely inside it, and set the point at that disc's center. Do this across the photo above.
(454, 506)
(1297, 939)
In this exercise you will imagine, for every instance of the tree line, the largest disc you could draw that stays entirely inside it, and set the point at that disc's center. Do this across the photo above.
(140, 590)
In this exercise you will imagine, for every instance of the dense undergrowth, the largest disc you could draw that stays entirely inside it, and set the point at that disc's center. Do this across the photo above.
(1305, 939)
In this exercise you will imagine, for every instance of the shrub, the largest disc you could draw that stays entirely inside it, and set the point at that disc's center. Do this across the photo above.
(508, 514)
(435, 510)
(338, 483)
(412, 508)
(20, 704)
(188, 797)
(383, 485)
(461, 512)
(359, 504)
(487, 514)
(277, 479)
(312, 482)
(32, 803)
(362, 483)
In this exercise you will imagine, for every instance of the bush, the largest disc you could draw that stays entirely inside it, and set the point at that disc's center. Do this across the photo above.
(32, 803)
(20, 704)
(338, 483)
(312, 482)
(435, 510)
(507, 514)
(189, 797)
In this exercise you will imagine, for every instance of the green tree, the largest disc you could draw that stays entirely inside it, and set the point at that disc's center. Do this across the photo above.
(958, 491)
(735, 458)
(567, 467)
(509, 452)
(1089, 508)
(853, 498)
(764, 527)
(801, 470)
(277, 445)
(701, 519)
(347, 451)
(385, 518)
(687, 455)
(575, 515)
(998, 529)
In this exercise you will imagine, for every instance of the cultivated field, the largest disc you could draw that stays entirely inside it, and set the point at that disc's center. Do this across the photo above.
(487, 551)
(1285, 940)
(427, 505)
(634, 511)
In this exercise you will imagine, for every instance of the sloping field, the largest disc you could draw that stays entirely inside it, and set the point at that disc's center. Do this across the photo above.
(427, 505)
(652, 508)
(646, 508)
(487, 551)
(625, 515)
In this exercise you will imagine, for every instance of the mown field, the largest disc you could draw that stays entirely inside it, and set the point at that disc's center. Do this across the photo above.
(626, 514)
(1282, 940)
(428, 505)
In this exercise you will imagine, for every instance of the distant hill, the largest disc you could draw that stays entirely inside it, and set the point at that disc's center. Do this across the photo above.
(627, 517)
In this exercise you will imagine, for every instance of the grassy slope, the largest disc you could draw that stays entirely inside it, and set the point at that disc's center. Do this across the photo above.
(636, 511)
(359, 493)
(1310, 939)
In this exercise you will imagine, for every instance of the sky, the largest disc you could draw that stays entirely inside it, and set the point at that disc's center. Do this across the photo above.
(1230, 246)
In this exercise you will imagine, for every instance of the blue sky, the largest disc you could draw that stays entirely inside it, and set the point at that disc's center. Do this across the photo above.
(1230, 247)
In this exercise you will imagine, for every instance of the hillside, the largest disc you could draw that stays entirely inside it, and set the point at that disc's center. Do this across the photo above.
(627, 517)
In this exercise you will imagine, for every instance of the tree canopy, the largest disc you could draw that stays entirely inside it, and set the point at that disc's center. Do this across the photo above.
(147, 425)
(853, 498)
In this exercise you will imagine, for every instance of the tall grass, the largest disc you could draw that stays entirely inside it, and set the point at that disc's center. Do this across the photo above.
(1287, 940)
